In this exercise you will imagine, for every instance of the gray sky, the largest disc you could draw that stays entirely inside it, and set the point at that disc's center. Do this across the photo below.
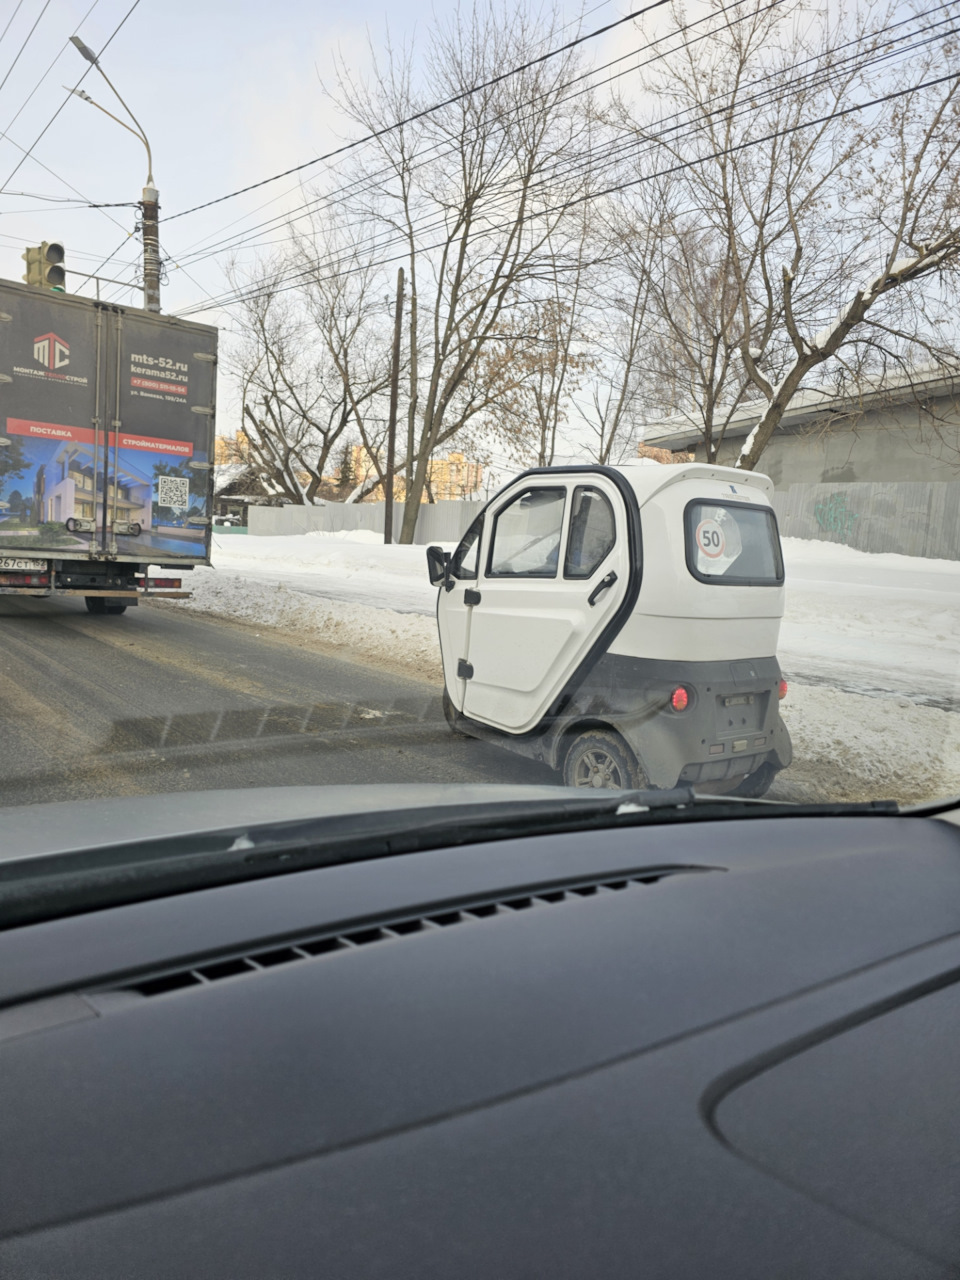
(228, 93)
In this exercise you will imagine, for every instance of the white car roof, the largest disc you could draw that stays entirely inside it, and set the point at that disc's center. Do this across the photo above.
(647, 480)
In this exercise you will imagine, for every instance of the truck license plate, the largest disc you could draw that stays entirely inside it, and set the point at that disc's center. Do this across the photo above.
(31, 566)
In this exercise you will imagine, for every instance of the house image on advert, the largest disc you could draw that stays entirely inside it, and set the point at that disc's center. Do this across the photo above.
(65, 489)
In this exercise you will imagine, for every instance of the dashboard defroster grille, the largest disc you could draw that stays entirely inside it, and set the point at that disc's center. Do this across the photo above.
(224, 967)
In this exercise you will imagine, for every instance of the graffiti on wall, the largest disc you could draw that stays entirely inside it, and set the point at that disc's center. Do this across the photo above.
(834, 517)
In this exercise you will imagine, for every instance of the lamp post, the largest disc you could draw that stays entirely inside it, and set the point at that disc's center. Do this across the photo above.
(149, 204)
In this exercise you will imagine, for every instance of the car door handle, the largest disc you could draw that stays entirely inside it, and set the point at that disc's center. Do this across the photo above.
(601, 586)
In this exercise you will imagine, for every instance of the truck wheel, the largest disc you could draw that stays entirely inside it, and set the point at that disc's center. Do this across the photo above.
(756, 784)
(603, 760)
(100, 604)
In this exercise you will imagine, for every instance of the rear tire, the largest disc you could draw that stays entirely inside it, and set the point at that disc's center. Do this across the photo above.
(100, 605)
(756, 784)
(599, 759)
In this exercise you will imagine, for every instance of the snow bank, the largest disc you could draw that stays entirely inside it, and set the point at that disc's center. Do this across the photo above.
(851, 747)
(402, 641)
(869, 623)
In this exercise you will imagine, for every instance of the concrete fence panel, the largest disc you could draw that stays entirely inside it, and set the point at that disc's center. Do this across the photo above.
(914, 518)
(436, 521)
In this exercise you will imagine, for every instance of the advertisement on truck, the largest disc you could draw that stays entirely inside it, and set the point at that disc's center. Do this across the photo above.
(106, 430)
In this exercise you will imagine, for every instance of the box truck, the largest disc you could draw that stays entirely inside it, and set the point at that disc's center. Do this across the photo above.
(107, 424)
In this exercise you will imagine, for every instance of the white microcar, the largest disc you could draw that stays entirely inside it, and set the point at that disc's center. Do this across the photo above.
(620, 624)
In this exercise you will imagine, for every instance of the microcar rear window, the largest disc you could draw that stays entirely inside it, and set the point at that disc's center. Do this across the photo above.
(733, 544)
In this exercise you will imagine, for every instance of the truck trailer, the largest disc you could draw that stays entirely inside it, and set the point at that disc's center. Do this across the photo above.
(107, 425)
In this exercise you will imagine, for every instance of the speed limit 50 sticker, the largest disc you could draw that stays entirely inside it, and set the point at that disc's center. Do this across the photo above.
(711, 539)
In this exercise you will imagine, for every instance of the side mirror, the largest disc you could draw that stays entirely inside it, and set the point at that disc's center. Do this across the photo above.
(438, 562)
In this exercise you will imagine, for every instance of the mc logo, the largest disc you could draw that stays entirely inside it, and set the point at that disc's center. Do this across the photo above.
(51, 351)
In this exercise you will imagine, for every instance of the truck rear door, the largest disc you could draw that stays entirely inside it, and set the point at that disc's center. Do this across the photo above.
(554, 571)
(158, 498)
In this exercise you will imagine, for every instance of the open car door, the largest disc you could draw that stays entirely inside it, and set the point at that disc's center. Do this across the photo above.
(553, 575)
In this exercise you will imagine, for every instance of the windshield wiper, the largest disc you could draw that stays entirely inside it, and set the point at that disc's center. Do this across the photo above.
(52, 885)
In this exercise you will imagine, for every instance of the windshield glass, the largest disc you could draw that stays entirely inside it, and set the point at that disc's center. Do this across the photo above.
(507, 283)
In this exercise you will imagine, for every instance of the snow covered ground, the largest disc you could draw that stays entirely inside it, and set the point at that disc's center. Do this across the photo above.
(870, 643)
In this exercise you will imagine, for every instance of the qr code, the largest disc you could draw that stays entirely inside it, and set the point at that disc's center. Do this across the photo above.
(172, 491)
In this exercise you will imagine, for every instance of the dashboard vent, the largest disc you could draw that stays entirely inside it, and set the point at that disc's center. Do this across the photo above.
(222, 968)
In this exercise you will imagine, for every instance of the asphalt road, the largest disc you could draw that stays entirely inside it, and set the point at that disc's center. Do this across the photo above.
(158, 701)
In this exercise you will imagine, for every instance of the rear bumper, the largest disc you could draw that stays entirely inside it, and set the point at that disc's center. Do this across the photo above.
(730, 727)
(126, 597)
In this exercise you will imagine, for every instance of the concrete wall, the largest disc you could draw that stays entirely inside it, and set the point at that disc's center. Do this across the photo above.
(889, 445)
(436, 522)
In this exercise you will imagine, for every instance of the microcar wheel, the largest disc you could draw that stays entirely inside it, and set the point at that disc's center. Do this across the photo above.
(756, 784)
(603, 761)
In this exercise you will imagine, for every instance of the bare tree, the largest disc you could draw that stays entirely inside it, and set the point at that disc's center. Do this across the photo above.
(470, 195)
(622, 333)
(805, 227)
(343, 292)
(298, 362)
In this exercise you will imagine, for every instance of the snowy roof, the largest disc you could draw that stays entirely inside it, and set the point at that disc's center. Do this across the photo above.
(927, 383)
(228, 473)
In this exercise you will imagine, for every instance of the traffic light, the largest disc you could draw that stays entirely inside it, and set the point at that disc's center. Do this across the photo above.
(43, 266)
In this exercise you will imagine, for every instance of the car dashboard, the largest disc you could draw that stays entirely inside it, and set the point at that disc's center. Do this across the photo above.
(713, 1049)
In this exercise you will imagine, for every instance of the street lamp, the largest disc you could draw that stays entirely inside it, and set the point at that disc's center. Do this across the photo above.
(149, 204)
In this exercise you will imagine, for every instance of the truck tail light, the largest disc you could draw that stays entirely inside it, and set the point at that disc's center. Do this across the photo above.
(679, 699)
(148, 584)
(782, 690)
(24, 579)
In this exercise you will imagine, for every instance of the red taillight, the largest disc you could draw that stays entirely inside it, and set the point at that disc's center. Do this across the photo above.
(148, 584)
(24, 580)
(679, 699)
(782, 689)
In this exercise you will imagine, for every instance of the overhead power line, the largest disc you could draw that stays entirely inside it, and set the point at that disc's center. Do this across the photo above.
(754, 95)
(609, 153)
(438, 150)
(419, 115)
(29, 151)
(66, 44)
(293, 281)
(10, 20)
(25, 43)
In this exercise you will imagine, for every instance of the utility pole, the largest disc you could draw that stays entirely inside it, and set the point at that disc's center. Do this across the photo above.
(150, 199)
(150, 223)
(392, 422)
